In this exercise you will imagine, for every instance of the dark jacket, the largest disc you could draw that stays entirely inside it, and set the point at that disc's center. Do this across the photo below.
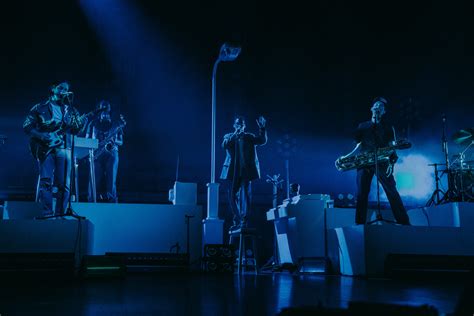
(232, 163)
(39, 121)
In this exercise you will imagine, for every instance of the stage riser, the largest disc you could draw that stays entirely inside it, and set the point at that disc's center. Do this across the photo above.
(132, 227)
(457, 214)
(362, 250)
(31, 238)
(303, 236)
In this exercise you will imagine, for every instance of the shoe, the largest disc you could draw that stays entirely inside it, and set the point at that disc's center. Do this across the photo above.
(234, 228)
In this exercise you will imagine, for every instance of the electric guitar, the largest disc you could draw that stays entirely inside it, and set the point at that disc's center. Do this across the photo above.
(40, 147)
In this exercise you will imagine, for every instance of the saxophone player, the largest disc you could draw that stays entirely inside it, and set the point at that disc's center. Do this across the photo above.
(369, 136)
(107, 155)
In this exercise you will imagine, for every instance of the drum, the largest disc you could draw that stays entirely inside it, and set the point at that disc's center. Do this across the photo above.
(462, 181)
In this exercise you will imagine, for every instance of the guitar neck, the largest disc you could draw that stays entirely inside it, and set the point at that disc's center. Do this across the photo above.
(112, 133)
(88, 115)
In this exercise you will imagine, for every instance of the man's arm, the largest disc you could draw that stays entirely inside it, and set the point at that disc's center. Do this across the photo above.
(228, 139)
(78, 123)
(262, 138)
(356, 148)
(30, 125)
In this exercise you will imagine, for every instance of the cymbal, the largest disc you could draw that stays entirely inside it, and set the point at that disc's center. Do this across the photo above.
(464, 136)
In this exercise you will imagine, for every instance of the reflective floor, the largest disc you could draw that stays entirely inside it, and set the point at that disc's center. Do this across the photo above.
(207, 294)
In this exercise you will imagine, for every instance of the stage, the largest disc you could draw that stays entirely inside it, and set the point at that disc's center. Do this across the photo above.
(108, 228)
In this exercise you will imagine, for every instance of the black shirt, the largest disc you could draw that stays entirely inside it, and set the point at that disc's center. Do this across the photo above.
(371, 135)
(100, 129)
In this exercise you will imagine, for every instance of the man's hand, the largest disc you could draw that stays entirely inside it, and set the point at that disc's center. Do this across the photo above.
(46, 137)
(261, 122)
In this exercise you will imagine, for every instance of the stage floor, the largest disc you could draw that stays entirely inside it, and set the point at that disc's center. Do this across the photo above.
(201, 294)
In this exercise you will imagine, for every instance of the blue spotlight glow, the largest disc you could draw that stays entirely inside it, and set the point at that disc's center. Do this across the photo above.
(414, 177)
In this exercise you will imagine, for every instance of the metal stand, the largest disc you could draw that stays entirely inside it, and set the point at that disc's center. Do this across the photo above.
(188, 255)
(435, 197)
(92, 183)
(379, 217)
(274, 261)
(449, 195)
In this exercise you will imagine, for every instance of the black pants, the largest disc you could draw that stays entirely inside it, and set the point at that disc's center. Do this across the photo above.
(55, 178)
(240, 198)
(106, 168)
(364, 180)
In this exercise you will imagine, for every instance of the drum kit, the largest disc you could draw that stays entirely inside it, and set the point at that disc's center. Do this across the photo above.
(459, 171)
(462, 170)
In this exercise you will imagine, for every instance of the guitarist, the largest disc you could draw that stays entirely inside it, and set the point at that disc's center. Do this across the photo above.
(110, 136)
(51, 126)
(370, 135)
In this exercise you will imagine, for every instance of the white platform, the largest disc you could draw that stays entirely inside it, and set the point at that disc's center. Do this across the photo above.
(362, 250)
(46, 236)
(457, 214)
(131, 227)
(300, 225)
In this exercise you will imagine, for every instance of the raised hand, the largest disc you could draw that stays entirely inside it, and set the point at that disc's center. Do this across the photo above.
(261, 122)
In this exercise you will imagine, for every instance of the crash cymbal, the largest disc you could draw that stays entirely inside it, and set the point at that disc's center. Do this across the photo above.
(464, 136)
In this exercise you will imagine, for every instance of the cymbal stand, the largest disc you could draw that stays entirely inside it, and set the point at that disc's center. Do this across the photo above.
(435, 199)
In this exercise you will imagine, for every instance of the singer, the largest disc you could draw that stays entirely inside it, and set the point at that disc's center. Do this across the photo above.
(51, 126)
(241, 166)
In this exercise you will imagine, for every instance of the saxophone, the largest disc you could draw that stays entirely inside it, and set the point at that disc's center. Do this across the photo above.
(106, 145)
(368, 158)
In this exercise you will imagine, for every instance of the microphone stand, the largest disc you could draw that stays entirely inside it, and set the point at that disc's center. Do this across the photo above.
(379, 217)
(69, 210)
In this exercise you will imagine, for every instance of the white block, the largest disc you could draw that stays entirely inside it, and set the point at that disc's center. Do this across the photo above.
(212, 200)
(213, 231)
(184, 193)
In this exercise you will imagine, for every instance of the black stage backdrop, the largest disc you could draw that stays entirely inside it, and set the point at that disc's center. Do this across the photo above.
(311, 68)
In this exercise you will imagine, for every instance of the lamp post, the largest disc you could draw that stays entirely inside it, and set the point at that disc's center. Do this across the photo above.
(213, 227)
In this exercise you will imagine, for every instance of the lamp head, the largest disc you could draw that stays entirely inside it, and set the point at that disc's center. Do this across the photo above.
(228, 52)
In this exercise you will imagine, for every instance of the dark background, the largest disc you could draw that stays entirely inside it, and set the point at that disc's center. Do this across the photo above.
(312, 69)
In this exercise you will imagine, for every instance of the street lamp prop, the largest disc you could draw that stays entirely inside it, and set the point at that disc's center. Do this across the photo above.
(213, 226)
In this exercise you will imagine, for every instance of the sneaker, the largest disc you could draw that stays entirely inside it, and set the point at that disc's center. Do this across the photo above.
(234, 228)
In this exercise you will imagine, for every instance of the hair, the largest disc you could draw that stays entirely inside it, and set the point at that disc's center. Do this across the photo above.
(104, 104)
(56, 85)
(380, 99)
(240, 118)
